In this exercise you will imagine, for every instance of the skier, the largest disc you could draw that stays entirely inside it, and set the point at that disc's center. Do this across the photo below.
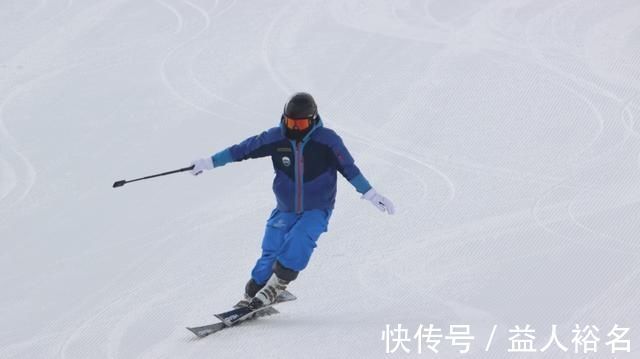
(305, 158)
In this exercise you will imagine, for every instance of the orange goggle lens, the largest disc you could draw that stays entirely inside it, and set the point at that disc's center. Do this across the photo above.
(297, 123)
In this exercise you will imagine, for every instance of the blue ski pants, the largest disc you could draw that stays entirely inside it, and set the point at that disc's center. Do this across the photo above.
(289, 238)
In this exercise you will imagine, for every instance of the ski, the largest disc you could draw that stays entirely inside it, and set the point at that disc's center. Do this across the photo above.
(238, 315)
(206, 330)
(241, 314)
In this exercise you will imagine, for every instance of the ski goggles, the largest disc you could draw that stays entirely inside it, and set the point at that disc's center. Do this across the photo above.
(300, 124)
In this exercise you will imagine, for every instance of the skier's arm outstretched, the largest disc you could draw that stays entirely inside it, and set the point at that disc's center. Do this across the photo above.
(347, 167)
(253, 147)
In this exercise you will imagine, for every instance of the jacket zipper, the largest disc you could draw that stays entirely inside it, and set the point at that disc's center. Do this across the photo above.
(300, 168)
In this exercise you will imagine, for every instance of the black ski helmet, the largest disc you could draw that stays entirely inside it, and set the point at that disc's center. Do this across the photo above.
(301, 105)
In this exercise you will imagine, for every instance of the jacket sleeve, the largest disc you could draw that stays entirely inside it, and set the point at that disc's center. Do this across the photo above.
(346, 165)
(253, 147)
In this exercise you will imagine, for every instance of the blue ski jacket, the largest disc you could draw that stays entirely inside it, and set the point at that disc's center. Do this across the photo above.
(305, 171)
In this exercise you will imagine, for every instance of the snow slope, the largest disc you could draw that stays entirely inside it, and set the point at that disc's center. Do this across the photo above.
(506, 132)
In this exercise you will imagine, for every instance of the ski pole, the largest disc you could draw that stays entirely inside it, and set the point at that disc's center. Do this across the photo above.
(123, 182)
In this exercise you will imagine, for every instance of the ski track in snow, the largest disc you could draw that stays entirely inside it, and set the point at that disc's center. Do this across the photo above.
(177, 51)
(155, 242)
(266, 41)
(22, 168)
(580, 86)
(105, 309)
(465, 242)
(19, 168)
(609, 238)
(185, 55)
(195, 78)
(174, 11)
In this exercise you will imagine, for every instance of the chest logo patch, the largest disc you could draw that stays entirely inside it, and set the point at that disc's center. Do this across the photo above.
(286, 161)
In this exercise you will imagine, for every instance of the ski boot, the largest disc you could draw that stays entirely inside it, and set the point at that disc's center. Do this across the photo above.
(250, 290)
(269, 293)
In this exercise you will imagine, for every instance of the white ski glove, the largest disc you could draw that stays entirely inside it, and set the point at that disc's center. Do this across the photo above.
(201, 165)
(381, 202)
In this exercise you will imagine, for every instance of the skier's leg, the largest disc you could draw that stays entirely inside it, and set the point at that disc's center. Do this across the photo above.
(294, 255)
(273, 240)
(277, 226)
(301, 240)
